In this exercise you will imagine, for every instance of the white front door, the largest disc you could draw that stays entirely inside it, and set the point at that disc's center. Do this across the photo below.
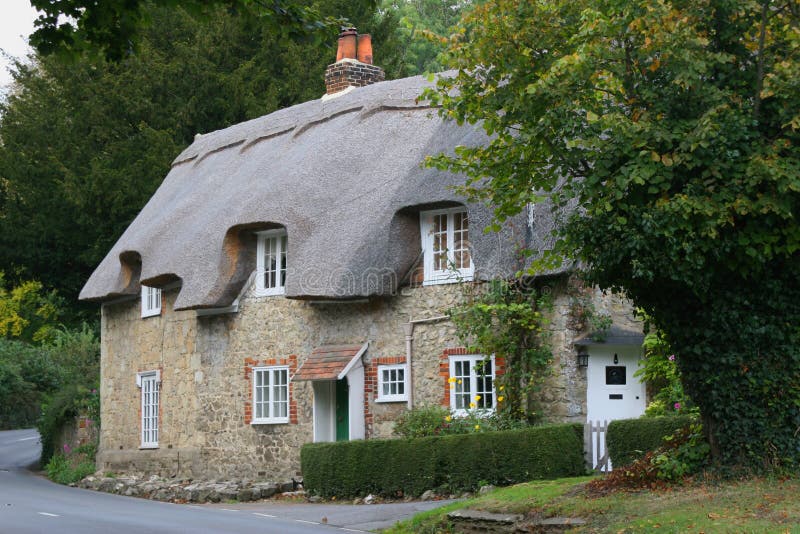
(612, 391)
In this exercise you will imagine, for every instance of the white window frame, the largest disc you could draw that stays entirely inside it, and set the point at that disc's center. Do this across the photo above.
(473, 385)
(392, 397)
(271, 403)
(151, 301)
(263, 238)
(150, 404)
(450, 274)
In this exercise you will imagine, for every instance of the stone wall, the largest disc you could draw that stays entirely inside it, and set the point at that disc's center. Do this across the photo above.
(205, 382)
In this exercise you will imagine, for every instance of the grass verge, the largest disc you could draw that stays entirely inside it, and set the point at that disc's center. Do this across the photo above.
(754, 505)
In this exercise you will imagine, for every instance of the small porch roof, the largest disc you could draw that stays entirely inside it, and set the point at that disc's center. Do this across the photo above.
(330, 362)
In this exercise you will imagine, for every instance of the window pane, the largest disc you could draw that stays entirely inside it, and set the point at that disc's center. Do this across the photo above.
(440, 242)
(460, 241)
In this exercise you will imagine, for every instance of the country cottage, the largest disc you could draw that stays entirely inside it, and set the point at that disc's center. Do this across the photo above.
(289, 282)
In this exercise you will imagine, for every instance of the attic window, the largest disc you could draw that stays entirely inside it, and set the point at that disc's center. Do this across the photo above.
(445, 242)
(151, 301)
(271, 263)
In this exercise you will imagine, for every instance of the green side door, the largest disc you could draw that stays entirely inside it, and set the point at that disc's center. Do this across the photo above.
(342, 411)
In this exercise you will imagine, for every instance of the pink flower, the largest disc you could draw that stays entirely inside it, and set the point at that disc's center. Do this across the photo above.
(67, 448)
(677, 406)
(672, 357)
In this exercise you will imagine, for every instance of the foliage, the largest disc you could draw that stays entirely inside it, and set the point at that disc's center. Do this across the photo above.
(69, 466)
(61, 410)
(424, 421)
(685, 453)
(672, 129)
(86, 143)
(19, 400)
(424, 27)
(508, 319)
(629, 439)
(660, 371)
(114, 27)
(452, 463)
(681, 455)
(27, 374)
(27, 311)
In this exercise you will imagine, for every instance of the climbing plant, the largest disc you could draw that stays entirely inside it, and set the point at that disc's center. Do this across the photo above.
(508, 319)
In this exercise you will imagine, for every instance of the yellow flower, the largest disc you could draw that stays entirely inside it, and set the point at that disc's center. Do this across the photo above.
(477, 398)
(500, 398)
(451, 379)
(448, 418)
(477, 427)
(502, 388)
(459, 381)
(472, 405)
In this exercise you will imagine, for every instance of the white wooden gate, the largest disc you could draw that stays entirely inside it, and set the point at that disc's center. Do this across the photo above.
(594, 445)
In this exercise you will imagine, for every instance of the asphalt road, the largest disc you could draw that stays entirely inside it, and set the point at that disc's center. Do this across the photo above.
(32, 504)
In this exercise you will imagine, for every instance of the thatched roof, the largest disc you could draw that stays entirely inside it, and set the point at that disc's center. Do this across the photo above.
(343, 176)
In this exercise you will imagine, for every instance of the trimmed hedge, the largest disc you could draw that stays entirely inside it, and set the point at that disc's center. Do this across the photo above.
(461, 462)
(629, 439)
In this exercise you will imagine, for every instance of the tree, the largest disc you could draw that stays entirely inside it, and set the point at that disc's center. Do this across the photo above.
(423, 31)
(114, 27)
(84, 144)
(665, 134)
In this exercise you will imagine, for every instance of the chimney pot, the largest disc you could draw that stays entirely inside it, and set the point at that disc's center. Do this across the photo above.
(365, 48)
(347, 44)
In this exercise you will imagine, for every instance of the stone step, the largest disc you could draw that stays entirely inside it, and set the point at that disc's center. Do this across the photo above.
(469, 521)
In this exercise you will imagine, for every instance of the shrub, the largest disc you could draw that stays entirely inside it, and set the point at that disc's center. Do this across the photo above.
(436, 420)
(684, 453)
(61, 410)
(422, 421)
(70, 466)
(681, 455)
(450, 462)
(630, 439)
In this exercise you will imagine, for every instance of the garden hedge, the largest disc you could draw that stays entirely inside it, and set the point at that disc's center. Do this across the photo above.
(451, 463)
(629, 439)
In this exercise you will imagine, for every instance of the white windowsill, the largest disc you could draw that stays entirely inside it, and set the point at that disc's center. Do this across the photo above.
(447, 279)
(393, 398)
(148, 446)
(273, 292)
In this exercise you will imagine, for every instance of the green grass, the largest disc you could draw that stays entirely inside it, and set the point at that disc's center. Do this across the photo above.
(752, 506)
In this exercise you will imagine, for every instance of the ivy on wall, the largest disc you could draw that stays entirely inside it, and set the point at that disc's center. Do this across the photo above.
(509, 319)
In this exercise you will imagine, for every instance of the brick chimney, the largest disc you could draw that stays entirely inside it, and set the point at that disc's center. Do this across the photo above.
(353, 67)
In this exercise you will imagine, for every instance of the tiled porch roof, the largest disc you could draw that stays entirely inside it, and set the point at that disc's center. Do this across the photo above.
(330, 362)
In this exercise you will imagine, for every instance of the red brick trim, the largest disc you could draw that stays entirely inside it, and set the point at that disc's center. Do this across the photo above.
(371, 386)
(444, 369)
(249, 365)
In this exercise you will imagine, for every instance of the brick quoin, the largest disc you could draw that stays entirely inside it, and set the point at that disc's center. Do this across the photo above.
(249, 364)
(444, 369)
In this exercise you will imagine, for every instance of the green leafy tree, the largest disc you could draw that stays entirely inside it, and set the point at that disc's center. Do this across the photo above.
(424, 29)
(666, 135)
(115, 27)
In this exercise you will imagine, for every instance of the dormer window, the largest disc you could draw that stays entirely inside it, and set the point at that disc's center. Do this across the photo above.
(151, 301)
(445, 242)
(271, 263)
